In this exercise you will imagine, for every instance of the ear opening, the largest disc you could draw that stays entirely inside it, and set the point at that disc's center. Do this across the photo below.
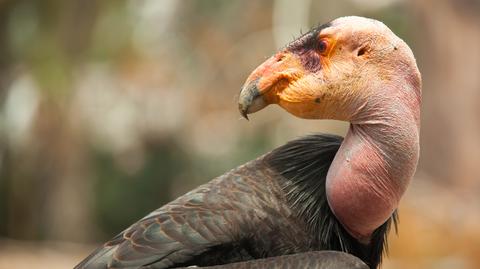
(361, 51)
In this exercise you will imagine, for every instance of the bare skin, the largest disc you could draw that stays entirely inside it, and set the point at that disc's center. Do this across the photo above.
(368, 76)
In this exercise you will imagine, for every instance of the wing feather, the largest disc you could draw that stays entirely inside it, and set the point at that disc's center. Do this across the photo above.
(220, 212)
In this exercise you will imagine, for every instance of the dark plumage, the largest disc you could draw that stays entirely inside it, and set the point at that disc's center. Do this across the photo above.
(310, 260)
(303, 165)
(272, 206)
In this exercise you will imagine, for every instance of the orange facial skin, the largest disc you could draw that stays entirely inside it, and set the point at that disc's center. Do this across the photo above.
(276, 74)
(295, 78)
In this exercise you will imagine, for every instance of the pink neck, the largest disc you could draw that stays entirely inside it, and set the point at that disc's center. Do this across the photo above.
(375, 163)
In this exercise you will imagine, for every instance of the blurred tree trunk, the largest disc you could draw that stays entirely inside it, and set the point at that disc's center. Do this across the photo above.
(50, 192)
(451, 134)
(5, 79)
(68, 209)
(64, 170)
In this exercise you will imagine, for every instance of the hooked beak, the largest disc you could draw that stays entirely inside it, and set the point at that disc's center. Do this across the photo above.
(250, 99)
(267, 81)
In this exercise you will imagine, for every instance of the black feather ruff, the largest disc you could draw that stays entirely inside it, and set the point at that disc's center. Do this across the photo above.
(303, 165)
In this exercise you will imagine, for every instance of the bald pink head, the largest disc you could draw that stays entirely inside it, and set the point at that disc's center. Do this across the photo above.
(378, 158)
(353, 69)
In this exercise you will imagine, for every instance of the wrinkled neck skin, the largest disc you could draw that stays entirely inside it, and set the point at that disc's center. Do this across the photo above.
(376, 161)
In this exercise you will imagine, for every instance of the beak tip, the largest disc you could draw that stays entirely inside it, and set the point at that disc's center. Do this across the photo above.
(250, 100)
(243, 111)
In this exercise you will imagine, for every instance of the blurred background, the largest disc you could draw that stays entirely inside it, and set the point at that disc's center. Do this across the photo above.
(109, 109)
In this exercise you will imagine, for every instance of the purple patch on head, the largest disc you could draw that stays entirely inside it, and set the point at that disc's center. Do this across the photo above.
(308, 48)
(311, 61)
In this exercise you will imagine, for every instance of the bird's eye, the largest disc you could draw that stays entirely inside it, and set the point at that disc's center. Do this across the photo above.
(322, 46)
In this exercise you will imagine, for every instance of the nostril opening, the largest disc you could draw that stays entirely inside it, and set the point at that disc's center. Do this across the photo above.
(280, 58)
